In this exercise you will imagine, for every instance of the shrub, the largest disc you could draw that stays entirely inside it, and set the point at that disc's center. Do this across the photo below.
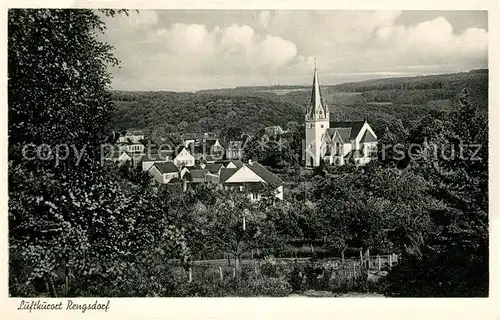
(270, 267)
(269, 287)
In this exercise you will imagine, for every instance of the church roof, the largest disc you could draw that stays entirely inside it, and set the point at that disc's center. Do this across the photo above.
(344, 133)
(368, 137)
(353, 127)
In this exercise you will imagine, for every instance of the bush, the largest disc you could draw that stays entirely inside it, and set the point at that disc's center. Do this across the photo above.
(270, 267)
(269, 287)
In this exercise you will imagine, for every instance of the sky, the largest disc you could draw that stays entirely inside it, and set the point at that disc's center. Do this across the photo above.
(189, 50)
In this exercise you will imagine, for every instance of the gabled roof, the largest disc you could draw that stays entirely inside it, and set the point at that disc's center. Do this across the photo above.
(166, 167)
(199, 135)
(227, 173)
(265, 174)
(136, 132)
(129, 142)
(354, 126)
(368, 137)
(205, 146)
(179, 150)
(237, 163)
(213, 167)
(344, 133)
(198, 174)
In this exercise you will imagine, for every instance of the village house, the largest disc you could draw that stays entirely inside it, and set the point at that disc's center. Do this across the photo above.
(335, 142)
(253, 179)
(274, 131)
(155, 156)
(164, 172)
(182, 166)
(134, 136)
(119, 157)
(234, 150)
(183, 158)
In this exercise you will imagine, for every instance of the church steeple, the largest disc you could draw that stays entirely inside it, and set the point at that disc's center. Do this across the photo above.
(317, 123)
(317, 108)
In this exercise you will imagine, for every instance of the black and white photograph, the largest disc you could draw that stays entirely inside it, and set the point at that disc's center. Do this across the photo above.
(246, 153)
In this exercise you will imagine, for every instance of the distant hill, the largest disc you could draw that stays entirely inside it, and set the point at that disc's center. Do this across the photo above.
(183, 112)
(381, 101)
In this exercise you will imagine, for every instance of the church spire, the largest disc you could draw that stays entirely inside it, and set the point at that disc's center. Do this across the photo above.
(316, 106)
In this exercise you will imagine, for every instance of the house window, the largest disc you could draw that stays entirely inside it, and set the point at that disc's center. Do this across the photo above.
(322, 126)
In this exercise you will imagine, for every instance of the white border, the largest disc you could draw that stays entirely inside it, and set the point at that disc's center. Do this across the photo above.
(275, 308)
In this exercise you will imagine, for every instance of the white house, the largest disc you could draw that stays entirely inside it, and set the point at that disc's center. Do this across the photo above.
(164, 172)
(251, 178)
(184, 158)
(131, 147)
(234, 149)
(118, 156)
(148, 160)
(132, 136)
(335, 142)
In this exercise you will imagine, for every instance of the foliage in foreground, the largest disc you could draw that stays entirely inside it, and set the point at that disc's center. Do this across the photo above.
(72, 225)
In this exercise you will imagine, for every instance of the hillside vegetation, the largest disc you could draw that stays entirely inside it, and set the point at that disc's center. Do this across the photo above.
(382, 101)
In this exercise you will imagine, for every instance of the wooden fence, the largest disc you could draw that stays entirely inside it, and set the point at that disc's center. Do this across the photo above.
(329, 273)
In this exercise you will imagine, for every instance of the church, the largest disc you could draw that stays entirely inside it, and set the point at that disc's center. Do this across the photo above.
(335, 143)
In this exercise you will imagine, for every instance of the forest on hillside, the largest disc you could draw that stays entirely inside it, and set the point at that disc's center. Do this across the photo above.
(183, 112)
(381, 101)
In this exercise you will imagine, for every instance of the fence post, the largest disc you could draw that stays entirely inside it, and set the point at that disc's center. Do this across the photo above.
(390, 260)
(220, 273)
(312, 249)
(354, 270)
(190, 275)
(378, 261)
(368, 258)
(234, 272)
(228, 259)
(252, 254)
(361, 257)
(342, 255)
